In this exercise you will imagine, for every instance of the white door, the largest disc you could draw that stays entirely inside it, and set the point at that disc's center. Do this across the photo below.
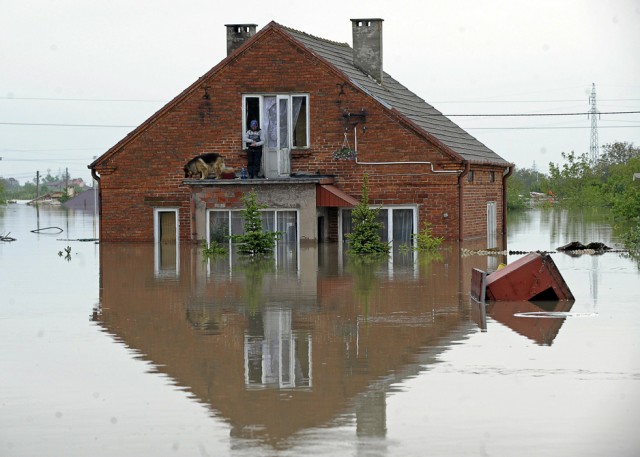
(276, 151)
(492, 224)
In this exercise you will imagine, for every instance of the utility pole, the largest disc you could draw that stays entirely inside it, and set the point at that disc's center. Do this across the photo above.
(37, 185)
(593, 150)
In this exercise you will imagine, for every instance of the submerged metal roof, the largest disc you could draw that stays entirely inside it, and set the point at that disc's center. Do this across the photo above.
(392, 94)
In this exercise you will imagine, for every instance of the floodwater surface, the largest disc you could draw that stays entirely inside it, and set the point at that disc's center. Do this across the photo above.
(136, 349)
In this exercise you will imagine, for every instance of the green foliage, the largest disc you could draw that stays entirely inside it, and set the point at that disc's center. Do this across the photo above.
(254, 269)
(575, 181)
(66, 253)
(516, 195)
(520, 184)
(254, 240)
(606, 182)
(3, 199)
(425, 241)
(366, 282)
(365, 238)
(212, 249)
(631, 239)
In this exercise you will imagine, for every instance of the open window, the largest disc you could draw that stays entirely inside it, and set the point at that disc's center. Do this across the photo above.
(283, 117)
(284, 121)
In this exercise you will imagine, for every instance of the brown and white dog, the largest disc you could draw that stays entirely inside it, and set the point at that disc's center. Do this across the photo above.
(203, 165)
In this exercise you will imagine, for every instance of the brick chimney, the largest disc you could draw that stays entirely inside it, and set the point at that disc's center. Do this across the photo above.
(367, 46)
(237, 34)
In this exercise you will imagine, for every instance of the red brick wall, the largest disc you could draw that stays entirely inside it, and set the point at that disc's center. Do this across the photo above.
(147, 171)
(476, 194)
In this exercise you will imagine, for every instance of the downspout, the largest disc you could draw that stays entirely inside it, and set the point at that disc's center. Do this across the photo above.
(95, 176)
(464, 173)
(505, 174)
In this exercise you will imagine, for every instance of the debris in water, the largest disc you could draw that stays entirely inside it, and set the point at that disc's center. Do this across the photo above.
(48, 230)
(533, 277)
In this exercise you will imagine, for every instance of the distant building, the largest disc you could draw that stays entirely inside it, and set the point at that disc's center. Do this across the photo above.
(52, 198)
(62, 184)
(86, 200)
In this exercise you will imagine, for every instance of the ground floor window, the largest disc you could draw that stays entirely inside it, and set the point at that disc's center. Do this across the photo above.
(222, 223)
(166, 237)
(398, 224)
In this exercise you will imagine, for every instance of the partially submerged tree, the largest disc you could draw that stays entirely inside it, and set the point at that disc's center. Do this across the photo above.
(365, 238)
(254, 240)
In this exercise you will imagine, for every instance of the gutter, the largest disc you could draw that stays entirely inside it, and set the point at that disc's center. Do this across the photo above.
(508, 172)
(94, 175)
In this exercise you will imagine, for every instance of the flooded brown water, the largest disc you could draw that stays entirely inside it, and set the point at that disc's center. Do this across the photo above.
(129, 350)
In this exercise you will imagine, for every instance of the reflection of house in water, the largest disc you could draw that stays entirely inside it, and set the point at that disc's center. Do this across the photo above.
(276, 349)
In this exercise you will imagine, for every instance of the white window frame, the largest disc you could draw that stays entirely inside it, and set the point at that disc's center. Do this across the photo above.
(390, 210)
(156, 223)
(274, 210)
(278, 96)
(156, 240)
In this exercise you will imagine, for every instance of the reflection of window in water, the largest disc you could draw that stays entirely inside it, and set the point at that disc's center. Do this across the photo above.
(166, 260)
(274, 354)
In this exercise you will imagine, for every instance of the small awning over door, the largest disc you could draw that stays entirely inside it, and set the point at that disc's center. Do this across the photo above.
(329, 195)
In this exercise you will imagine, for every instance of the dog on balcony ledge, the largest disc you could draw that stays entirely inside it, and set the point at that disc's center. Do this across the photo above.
(204, 165)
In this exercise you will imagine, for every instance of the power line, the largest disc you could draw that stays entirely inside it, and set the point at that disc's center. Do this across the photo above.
(534, 114)
(125, 100)
(551, 128)
(535, 101)
(428, 114)
(49, 99)
(68, 125)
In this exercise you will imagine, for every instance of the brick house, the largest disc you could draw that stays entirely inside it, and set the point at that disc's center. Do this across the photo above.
(311, 96)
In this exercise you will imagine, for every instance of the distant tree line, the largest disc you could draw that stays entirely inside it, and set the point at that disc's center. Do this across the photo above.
(606, 182)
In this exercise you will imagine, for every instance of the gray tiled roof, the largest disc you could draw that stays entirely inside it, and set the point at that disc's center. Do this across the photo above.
(394, 95)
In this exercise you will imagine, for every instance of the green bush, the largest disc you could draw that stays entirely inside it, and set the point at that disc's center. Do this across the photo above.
(254, 240)
(365, 238)
(425, 241)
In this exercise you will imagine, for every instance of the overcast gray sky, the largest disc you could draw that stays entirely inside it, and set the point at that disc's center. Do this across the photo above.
(76, 76)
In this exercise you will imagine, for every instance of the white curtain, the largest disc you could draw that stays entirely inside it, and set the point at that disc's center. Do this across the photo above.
(270, 122)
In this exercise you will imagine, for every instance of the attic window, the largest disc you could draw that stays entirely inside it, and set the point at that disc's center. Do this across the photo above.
(492, 176)
(470, 176)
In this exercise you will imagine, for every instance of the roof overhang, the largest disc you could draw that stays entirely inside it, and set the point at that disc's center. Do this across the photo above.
(329, 195)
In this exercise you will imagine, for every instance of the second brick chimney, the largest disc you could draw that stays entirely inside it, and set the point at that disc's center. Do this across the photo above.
(367, 46)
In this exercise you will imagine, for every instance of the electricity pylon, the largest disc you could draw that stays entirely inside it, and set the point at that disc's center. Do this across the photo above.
(593, 150)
